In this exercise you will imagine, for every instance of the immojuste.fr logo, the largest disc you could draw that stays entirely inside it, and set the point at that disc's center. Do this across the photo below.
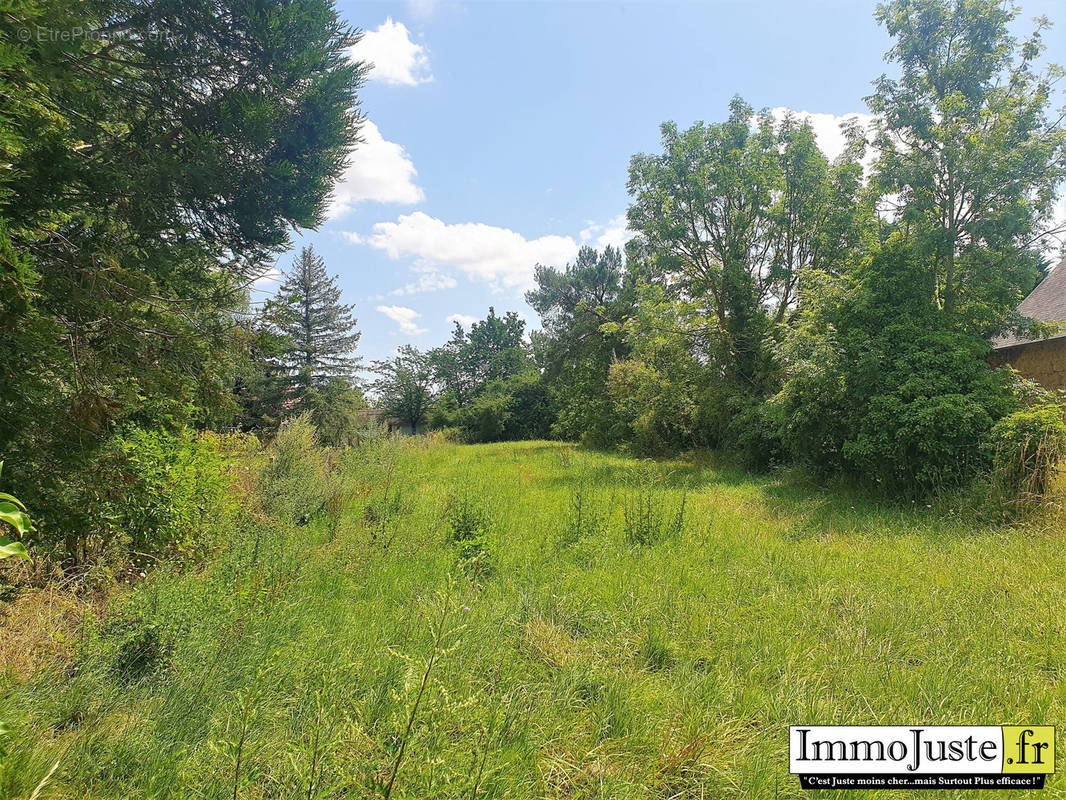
(922, 756)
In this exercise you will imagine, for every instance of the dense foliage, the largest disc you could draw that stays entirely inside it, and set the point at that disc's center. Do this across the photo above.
(582, 307)
(784, 306)
(404, 386)
(771, 301)
(487, 387)
(881, 386)
(151, 171)
(302, 358)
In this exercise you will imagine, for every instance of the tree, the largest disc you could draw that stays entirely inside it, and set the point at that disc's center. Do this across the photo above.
(319, 331)
(880, 386)
(731, 216)
(404, 386)
(333, 405)
(511, 409)
(153, 168)
(582, 307)
(453, 369)
(966, 143)
(493, 349)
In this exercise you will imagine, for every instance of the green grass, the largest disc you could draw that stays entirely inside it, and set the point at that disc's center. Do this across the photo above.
(611, 628)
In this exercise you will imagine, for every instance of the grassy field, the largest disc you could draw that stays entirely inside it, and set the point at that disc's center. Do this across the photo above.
(533, 620)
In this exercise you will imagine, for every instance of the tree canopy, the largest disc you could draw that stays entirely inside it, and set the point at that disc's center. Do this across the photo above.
(151, 172)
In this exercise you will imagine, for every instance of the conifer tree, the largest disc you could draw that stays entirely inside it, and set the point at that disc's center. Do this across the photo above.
(320, 333)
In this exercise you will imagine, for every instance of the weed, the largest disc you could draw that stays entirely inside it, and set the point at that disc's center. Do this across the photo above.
(439, 649)
(651, 516)
(586, 517)
(470, 531)
(625, 674)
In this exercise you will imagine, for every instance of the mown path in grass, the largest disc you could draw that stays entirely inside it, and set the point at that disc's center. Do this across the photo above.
(612, 628)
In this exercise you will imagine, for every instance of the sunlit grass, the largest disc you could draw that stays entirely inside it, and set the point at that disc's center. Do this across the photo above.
(574, 660)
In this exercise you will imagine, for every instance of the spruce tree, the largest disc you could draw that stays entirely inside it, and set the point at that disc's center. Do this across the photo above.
(320, 333)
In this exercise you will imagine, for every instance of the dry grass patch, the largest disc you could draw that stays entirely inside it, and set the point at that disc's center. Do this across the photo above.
(39, 628)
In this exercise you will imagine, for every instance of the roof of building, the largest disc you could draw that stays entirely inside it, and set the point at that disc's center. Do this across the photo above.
(1046, 303)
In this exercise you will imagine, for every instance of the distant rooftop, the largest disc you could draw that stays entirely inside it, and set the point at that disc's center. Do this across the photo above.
(1046, 303)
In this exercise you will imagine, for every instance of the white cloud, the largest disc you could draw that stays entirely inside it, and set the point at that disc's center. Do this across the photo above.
(429, 280)
(463, 319)
(404, 317)
(826, 127)
(613, 233)
(396, 60)
(266, 283)
(498, 256)
(379, 171)
(422, 9)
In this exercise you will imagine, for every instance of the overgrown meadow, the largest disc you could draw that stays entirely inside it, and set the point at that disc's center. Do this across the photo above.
(419, 619)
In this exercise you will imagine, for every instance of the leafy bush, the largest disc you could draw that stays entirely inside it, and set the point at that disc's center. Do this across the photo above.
(653, 412)
(516, 408)
(470, 531)
(177, 493)
(756, 434)
(881, 386)
(293, 484)
(1027, 447)
(333, 406)
(486, 419)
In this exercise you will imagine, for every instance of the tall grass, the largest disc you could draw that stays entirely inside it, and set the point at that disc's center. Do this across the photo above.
(647, 630)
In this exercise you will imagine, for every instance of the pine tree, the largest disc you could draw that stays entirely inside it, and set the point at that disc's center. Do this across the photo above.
(319, 331)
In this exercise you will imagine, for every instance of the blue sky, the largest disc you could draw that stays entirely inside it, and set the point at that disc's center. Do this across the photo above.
(499, 133)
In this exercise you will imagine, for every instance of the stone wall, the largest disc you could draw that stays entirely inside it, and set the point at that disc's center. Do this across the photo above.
(1043, 361)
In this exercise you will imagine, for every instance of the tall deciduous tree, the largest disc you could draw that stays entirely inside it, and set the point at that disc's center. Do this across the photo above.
(493, 349)
(404, 385)
(968, 147)
(732, 214)
(319, 331)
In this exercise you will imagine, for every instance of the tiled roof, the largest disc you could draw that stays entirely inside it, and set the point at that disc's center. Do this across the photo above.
(1046, 303)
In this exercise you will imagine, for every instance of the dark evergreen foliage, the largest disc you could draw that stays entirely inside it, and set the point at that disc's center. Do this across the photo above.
(319, 331)
(153, 170)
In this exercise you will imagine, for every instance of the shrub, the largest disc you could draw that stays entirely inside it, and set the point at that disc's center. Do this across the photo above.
(882, 385)
(446, 435)
(293, 484)
(333, 407)
(486, 418)
(656, 406)
(756, 434)
(1027, 447)
(470, 531)
(931, 407)
(166, 492)
(513, 409)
